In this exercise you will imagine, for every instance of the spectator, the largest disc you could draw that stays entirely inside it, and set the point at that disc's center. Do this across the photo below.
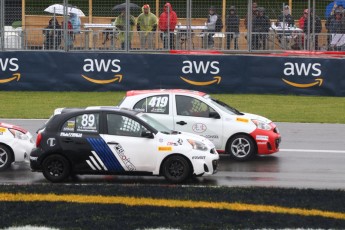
(232, 28)
(167, 24)
(261, 26)
(146, 25)
(121, 25)
(330, 19)
(254, 14)
(337, 26)
(302, 19)
(318, 28)
(286, 17)
(76, 23)
(211, 27)
(298, 38)
(52, 35)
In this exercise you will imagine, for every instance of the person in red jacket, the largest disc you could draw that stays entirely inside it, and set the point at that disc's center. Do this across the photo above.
(167, 23)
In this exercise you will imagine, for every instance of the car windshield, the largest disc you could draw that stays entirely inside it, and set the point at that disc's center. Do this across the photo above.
(154, 123)
(223, 106)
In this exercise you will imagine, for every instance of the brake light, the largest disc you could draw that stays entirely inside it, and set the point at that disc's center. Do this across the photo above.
(38, 140)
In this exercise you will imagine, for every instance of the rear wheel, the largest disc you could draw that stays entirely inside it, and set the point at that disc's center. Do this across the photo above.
(176, 169)
(241, 147)
(56, 168)
(6, 157)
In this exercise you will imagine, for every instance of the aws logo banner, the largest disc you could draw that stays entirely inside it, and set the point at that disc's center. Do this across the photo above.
(102, 71)
(9, 70)
(303, 75)
(201, 73)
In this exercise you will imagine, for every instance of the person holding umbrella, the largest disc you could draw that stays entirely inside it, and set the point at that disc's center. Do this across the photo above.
(52, 34)
(167, 24)
(121, 25)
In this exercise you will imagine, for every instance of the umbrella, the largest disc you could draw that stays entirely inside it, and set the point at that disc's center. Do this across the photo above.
(123, 6)
(59, 9)
(330, 7)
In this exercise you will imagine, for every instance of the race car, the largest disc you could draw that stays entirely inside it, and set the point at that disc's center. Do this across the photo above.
(16, 144)
(109, 140)
(242, 135)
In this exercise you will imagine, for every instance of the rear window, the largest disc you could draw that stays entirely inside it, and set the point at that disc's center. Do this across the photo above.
(82, 123)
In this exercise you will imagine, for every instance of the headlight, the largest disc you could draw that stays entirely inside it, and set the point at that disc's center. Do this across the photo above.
(19, 135)
(262, 125)
(197, 145)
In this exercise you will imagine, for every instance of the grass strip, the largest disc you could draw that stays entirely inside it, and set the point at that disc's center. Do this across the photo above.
(133, 201)
(279, 108)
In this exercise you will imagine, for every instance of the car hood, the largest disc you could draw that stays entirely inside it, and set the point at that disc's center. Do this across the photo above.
(256, 117)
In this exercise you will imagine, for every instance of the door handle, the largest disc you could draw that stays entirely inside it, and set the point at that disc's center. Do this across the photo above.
(181, 123)
(68, 140)
(112, 143)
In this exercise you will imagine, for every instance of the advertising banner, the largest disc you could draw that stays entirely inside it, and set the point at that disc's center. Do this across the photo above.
(60, 71)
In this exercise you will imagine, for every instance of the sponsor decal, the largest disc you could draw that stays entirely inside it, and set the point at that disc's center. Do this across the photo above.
(63, 134)
(199, 127)
(302, 75)
(121, 152)
(102, 66)
(172, 143)
(242, 120)
(164, 148)
(261, 138)
(200, 68)
(198, 157)
(10, 64)
(180, 141)
(261, 143)
(2, 130)
(51, 142)
(208, 136)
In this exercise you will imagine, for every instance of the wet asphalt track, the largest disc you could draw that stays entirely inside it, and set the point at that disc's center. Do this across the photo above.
(311, 156)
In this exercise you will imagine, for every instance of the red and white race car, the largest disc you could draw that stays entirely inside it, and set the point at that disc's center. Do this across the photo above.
(242, 135)
(16, 144)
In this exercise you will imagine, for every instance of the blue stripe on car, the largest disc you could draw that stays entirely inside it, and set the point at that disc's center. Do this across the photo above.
(106, 155)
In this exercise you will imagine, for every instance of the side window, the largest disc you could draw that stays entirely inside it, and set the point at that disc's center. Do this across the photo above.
(189, 106)
(154, 104)
(123, 126)
(69, 125)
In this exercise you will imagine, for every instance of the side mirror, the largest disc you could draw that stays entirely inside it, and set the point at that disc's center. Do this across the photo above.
(214, 115)
(147, 134)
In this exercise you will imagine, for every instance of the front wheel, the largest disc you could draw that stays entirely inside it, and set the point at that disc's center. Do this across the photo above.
(56, 168)
(6, 157)
(176, 169)
(241, 147)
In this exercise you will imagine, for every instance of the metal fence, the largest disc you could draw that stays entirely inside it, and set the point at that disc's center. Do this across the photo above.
(155, 26)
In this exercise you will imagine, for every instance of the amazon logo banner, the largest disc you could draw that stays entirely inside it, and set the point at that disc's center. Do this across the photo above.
(9, 70)
(201, 73)
(303, 75)
(102, 71)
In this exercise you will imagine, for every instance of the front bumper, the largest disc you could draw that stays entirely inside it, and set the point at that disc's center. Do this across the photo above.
(206, 164)
(267, 142)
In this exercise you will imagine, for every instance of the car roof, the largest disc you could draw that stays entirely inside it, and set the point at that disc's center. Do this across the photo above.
(162, 91)
(94, 109)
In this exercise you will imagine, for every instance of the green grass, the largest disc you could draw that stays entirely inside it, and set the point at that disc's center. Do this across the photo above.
(279, 108)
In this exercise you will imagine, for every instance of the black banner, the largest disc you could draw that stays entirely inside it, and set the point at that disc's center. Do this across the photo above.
(55, 71)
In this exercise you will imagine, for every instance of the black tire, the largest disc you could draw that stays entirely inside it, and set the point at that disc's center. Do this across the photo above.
(176, 169)
(56, 168)
(6, 157)
(241, 148)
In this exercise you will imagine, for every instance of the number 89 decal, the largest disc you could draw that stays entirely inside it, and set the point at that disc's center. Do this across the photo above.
(159, 105)
(87, 122)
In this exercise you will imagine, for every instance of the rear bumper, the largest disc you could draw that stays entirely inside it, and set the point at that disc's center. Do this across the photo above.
(35, 164)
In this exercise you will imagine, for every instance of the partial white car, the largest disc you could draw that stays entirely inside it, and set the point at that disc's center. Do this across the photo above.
(16, 144)
(242, 135)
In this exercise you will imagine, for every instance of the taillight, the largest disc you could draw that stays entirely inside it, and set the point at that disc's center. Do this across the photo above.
(38, 139)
